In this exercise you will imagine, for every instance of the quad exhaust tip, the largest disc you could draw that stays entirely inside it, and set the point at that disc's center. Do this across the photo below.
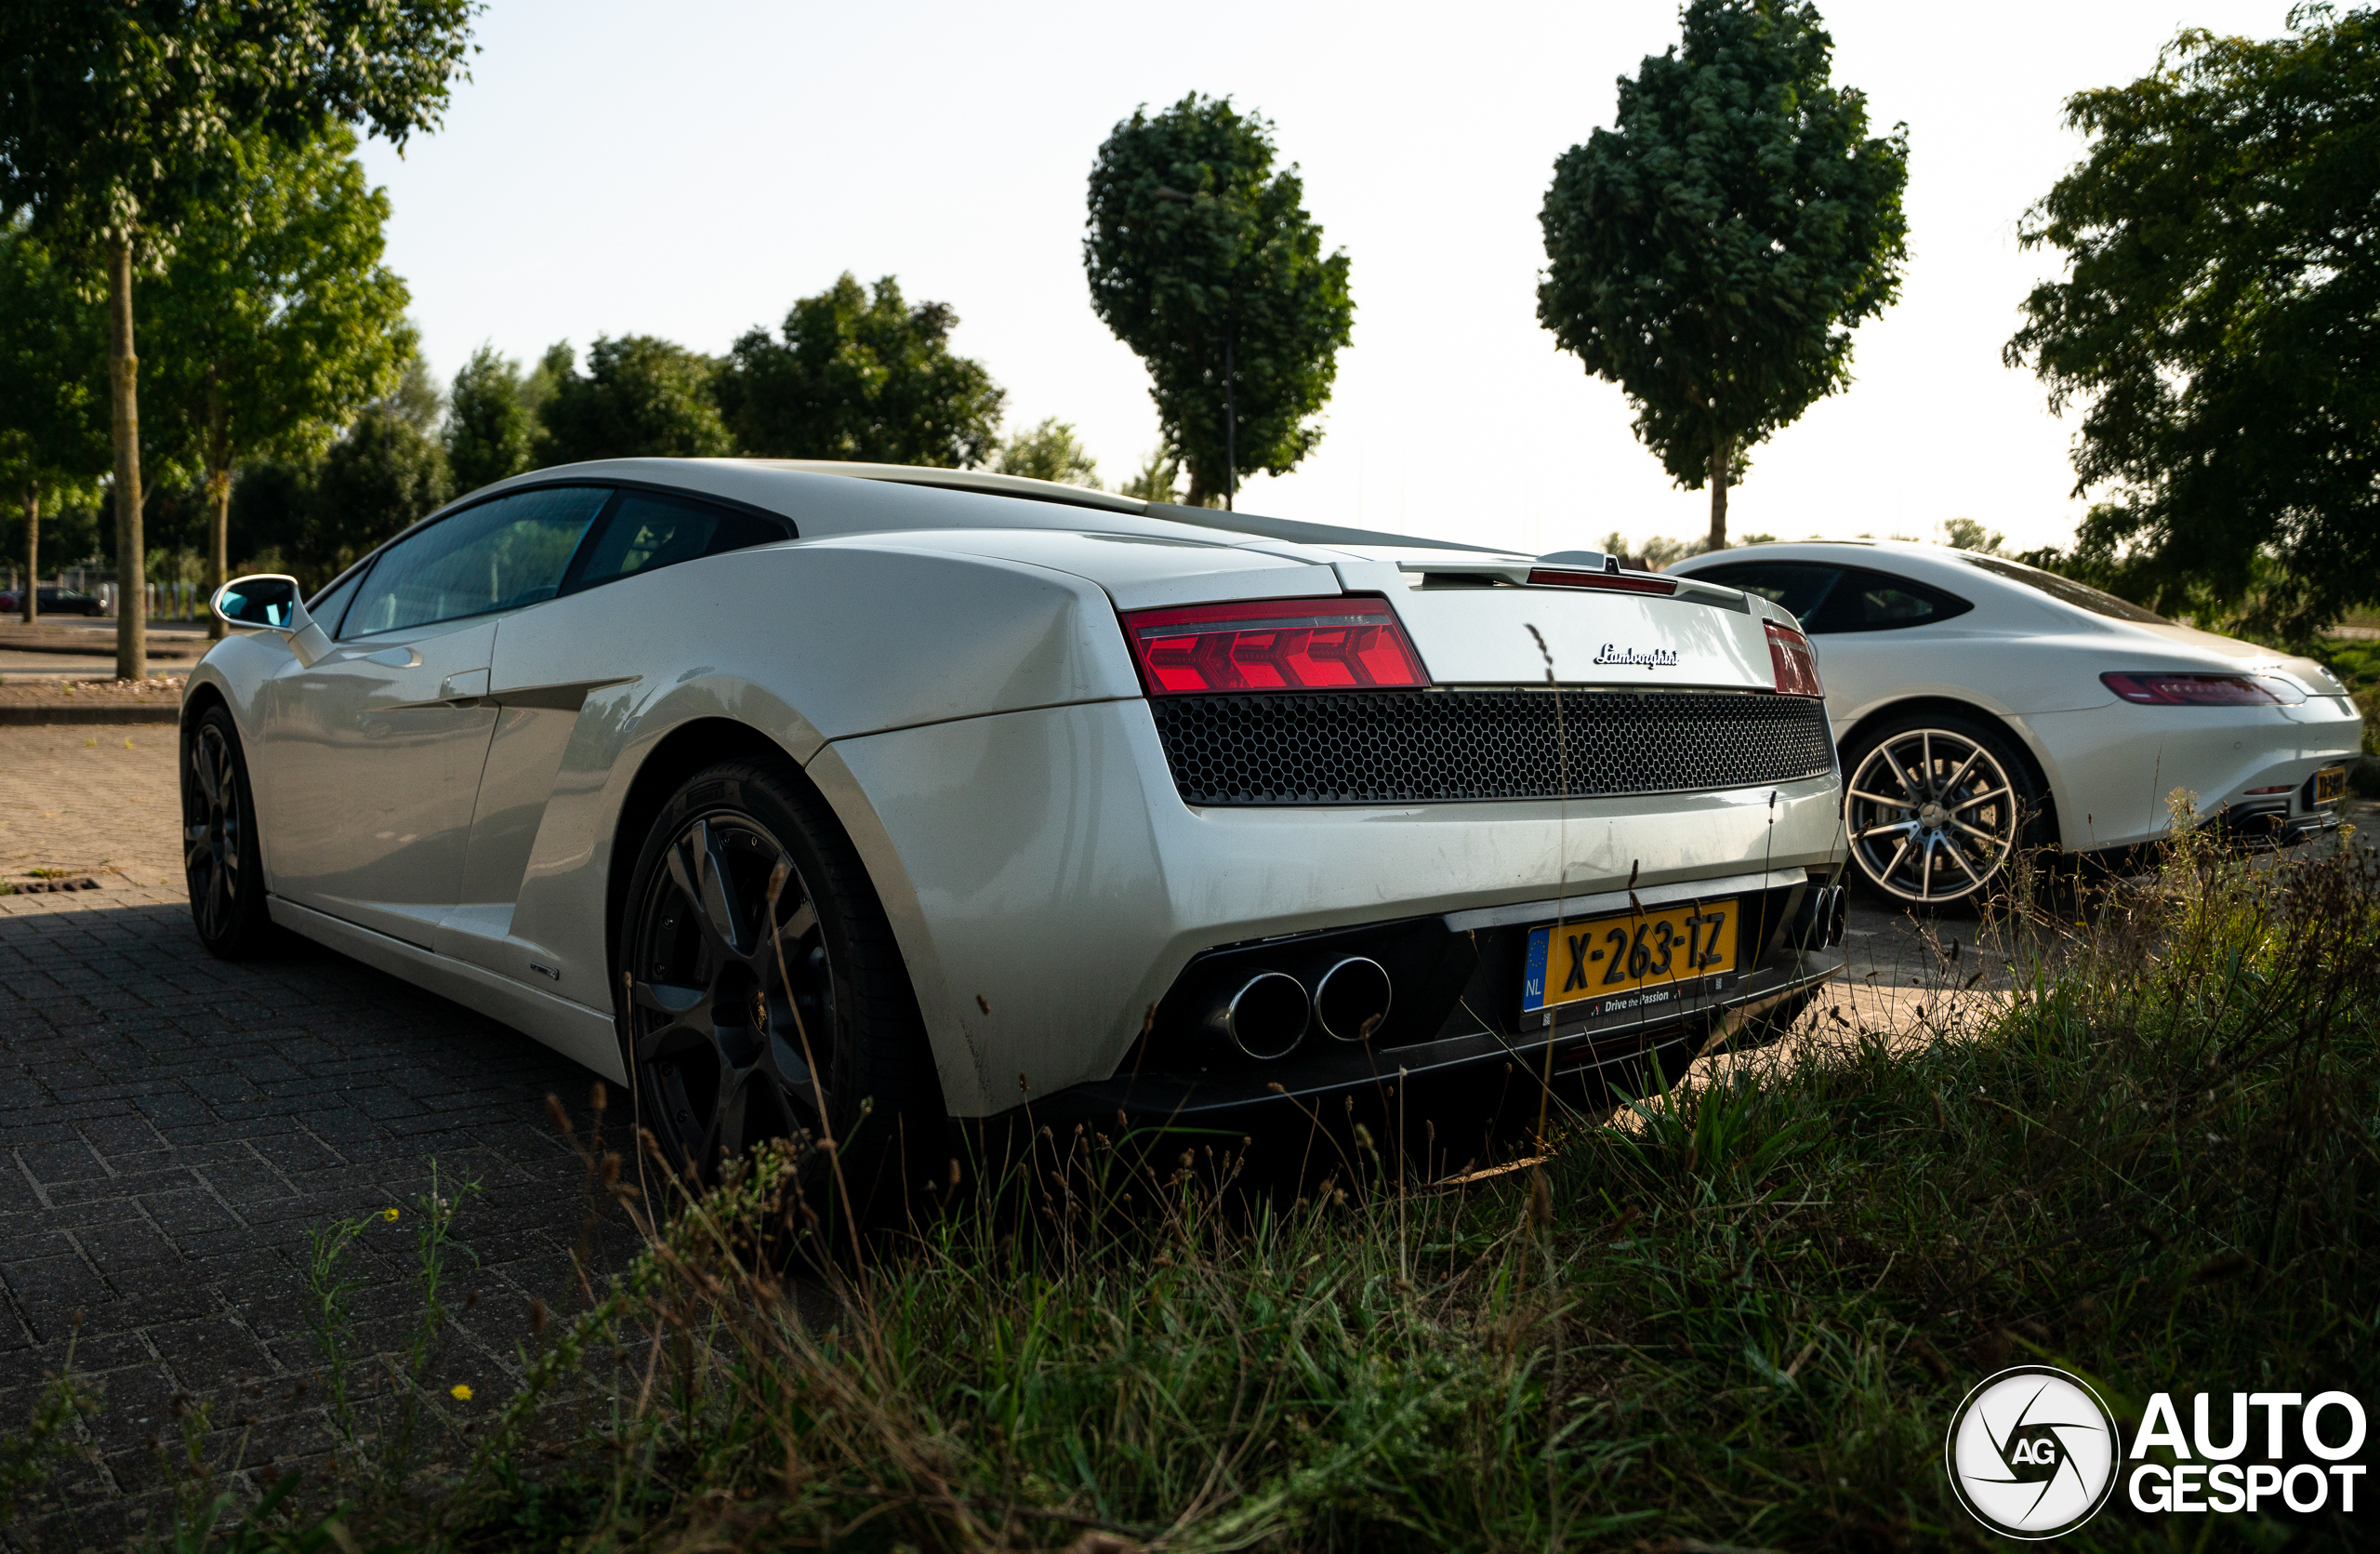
(1820, 924)
(1350, 1001)
(1266, 1017)
(1269, 1014)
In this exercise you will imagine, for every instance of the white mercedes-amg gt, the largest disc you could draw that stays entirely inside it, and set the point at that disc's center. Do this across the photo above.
(1983, 706)
(779, 790)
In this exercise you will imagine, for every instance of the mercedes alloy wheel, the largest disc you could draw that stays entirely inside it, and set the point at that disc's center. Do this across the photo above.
(1935, 811)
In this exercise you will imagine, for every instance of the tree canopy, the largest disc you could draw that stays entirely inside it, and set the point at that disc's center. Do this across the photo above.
(53, 417)
(861, 374)
(385, 471)
(118, 121)
(1713, 251)
(2220, 321)
(1158, 480)
(1202, 259)
(1047, 450)
(277, 322)
(53, 394)
(641, 396)
(491, 426)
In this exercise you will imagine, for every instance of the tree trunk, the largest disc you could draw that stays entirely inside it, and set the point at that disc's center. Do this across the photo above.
(1723, 450)
(219, 492)
(124, 373)
(1196, 495)
(1231, 426)
(31, 600)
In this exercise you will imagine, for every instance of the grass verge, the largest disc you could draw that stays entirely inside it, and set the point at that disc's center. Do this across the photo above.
(1737, 1315)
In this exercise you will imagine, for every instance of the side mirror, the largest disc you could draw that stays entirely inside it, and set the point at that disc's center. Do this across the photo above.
(266, 601)
(270, 601)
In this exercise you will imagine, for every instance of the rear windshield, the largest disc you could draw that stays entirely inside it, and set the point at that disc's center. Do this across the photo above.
(1829, 599)
(2083, 596)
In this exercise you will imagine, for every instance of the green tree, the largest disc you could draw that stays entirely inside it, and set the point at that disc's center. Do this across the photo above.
(639, 397)
(384, 473)
(1712, 252)
(115, 124)
(272, 518)
(1048, 451)
(277, 322)
(861, 375)
(2220, 321)
(1969, 534)
(1203, 259)
(53, 421)
(490, 425)
(1159, 480)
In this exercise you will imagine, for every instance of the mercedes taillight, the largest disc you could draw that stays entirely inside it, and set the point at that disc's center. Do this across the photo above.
(2152, 688)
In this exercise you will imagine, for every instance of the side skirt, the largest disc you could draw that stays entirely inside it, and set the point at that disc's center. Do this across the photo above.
(584, 1035)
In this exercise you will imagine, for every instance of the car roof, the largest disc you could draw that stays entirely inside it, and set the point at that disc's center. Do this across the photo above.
(805, 490)
(1920, 558)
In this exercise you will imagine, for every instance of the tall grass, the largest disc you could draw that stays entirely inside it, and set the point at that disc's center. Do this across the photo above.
(1738, 1314)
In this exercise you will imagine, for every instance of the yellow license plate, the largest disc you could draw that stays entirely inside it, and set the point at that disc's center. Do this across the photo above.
(2330, 785)
(1610, 956)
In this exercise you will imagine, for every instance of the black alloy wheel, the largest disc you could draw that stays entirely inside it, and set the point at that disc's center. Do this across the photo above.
(731, 980)
(220, 858)
(1935, 809)
(764, 1000)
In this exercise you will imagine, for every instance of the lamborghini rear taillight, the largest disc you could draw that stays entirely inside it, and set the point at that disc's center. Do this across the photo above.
(1273, 644)
(1792, 663)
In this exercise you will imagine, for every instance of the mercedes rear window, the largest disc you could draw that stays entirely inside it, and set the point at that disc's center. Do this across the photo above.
(2066, 590)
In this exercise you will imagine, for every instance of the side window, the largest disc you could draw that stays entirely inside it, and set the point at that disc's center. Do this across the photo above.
(1870, 601)
(495, 556)
(645, 531)
(1799, 585)
(328, 605)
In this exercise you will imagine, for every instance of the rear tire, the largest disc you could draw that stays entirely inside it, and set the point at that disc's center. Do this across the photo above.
(220, 859)
(1936, 808)
(747, 1016)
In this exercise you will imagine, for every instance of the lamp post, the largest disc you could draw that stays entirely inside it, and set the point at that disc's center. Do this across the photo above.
(1231, 376)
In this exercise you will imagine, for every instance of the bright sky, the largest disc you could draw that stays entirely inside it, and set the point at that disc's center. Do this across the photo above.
(688, 170)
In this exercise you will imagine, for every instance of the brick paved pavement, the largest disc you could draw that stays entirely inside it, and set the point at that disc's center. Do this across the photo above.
(170, 1126)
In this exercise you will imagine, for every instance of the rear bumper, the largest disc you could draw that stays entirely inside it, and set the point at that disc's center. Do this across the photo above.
(2113, 769)
(1600, 1058)
(1048, 885)
(1476, 1030)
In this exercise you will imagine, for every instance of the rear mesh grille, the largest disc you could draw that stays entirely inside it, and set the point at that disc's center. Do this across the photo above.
(1415, 746)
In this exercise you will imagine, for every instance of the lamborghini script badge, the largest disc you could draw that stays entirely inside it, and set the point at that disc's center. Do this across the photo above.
(1660, 657)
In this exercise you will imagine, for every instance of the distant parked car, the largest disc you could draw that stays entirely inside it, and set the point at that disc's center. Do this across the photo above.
(53, 601)
(1981, 706)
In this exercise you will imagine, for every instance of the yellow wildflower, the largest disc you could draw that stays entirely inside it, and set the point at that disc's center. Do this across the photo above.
(461, 1393)
(388, 1214)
